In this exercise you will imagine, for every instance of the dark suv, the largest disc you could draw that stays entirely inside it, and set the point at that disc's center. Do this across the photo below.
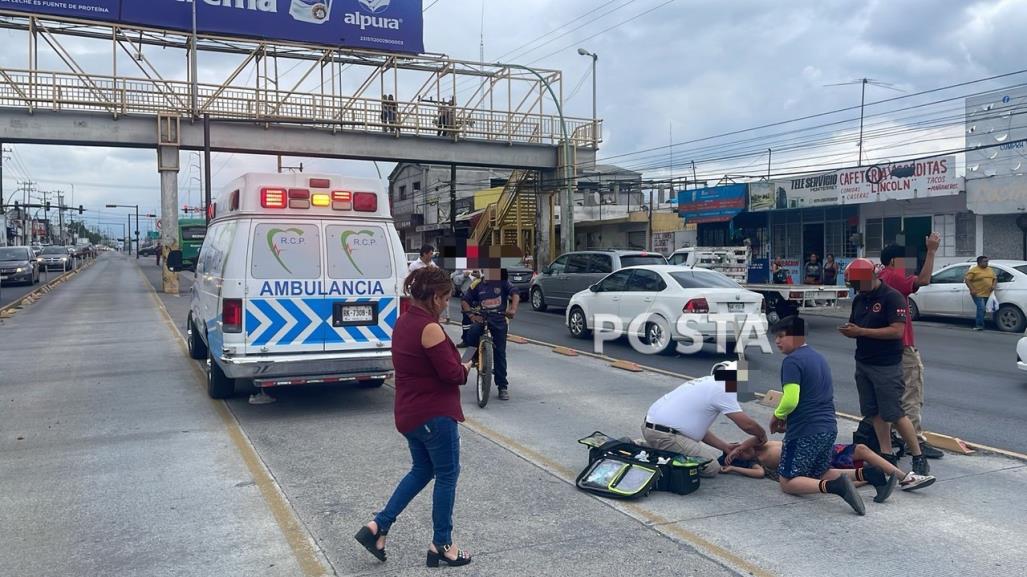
(574, 272)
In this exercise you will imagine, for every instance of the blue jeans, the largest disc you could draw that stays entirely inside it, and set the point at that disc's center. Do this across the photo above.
(981, 303)
(498, 329)
(435, 449)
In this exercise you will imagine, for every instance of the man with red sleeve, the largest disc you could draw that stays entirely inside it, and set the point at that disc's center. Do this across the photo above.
(897, 276)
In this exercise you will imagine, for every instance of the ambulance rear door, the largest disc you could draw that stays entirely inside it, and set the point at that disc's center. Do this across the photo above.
(361, 303)
(285, 303)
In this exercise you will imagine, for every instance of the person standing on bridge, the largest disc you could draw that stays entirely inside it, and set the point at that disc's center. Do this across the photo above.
(428, 379)
(896, 275)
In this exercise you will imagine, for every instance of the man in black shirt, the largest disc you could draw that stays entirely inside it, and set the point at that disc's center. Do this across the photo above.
(878, 322)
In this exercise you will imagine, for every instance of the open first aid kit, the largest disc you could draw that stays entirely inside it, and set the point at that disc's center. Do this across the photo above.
(622, 469)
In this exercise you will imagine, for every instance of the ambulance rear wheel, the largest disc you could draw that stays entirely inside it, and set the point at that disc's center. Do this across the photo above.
(197, 348)
(219, 386)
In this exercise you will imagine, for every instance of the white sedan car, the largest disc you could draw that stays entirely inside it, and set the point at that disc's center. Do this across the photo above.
(1021, 354)
(947, 295)
(656, 301)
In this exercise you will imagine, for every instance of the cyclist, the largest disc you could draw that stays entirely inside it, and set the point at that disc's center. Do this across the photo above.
(495, 299)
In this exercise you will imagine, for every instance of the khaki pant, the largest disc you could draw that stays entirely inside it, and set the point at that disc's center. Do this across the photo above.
(913, 394)
(687, 447)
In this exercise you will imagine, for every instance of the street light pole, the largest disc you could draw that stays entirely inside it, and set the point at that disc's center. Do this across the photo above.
(567, 202)
(595, 121)
(192, 64)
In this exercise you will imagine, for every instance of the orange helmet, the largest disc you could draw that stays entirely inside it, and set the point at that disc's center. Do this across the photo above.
(860, 269)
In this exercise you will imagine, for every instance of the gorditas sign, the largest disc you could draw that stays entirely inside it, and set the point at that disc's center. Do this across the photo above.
(927, 177)
(389, 25)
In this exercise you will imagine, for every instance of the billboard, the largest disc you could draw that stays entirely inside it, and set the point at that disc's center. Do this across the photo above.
(996, 152)
(713, 204)
(928, 177)
(389, 25)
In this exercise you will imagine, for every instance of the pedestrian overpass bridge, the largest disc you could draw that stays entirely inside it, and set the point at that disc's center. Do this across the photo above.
(328, 103)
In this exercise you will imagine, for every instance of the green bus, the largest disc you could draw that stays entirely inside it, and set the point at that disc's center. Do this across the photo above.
(190, 237)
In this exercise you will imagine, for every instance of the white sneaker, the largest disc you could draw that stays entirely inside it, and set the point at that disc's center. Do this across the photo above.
(262, 398)
(912, 482)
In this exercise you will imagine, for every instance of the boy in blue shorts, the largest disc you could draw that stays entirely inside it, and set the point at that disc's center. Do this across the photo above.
(806, 416)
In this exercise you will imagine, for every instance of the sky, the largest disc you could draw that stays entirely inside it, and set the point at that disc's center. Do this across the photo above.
(668, 71)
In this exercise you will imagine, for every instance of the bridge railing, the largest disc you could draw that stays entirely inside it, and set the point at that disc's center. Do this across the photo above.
(118, 96)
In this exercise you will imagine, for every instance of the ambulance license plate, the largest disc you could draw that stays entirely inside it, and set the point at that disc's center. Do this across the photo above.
(345, 314)
(735, 307)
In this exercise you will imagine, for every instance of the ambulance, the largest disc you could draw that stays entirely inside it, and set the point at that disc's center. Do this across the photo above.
(299, 281)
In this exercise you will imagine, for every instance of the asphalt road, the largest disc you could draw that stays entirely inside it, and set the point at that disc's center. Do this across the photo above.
(973, 389)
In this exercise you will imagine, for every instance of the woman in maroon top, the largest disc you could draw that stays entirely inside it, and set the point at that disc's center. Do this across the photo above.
(428, 379)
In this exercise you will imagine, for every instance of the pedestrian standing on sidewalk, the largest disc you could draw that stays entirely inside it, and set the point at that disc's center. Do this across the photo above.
(813, 271)
(878, 323)
(428, 379)
(897, 276)
(830, 270)
(981, 281)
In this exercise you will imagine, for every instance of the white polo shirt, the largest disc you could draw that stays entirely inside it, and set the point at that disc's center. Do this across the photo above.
(418, 265)
(692, 407)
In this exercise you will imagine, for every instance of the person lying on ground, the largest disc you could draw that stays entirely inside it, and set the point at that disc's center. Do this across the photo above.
(754, 461)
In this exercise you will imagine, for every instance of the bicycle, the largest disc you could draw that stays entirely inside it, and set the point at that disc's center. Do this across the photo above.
(484, 356)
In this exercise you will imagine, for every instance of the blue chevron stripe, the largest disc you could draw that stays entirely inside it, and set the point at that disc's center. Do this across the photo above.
(356, 335)
(277, 322)
(252, 324)
(379, 333)
(302, 321)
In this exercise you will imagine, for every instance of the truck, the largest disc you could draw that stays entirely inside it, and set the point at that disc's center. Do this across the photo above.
(780, 300)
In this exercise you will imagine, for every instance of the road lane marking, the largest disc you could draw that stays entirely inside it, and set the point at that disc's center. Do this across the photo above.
(311, 559)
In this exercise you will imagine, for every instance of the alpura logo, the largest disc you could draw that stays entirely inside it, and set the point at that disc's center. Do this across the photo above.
(372, 16)
(345, 237)
(276, 244)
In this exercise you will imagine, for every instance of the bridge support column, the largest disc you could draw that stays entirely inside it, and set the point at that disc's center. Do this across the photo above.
(168, 166)
(545, 228)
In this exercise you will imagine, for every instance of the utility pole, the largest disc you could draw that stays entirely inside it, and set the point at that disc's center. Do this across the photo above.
(452, 202)
(60, 216)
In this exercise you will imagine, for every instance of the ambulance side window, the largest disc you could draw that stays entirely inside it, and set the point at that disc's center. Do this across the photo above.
(286, 250)
(358, 252)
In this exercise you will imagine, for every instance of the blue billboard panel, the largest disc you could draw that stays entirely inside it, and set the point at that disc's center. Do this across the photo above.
(389, 25)
(392, 25)
(714, 204)
(107, 10)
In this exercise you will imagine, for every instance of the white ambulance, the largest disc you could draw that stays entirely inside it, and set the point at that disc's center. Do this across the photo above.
(299, 281)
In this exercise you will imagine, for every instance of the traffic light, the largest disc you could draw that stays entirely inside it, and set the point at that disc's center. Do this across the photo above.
(46, 206)
(80, 209)
(16, 205)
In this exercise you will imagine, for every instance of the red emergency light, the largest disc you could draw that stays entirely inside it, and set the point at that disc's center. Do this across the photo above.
(365, 202)
(320, 183)
(272, 197)
(299, 198)
(342, 200)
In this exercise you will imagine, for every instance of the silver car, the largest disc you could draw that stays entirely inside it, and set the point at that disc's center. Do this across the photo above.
(56, 257)
(18, 264)
(574, 272)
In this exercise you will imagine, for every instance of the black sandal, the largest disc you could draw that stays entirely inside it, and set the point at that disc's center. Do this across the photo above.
(435, 558)
(370, 541)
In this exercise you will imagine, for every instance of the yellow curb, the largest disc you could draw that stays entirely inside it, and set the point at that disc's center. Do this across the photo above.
(771, 399)
(954, 444)
(518, 340)
(565, 351)
(626, 366)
